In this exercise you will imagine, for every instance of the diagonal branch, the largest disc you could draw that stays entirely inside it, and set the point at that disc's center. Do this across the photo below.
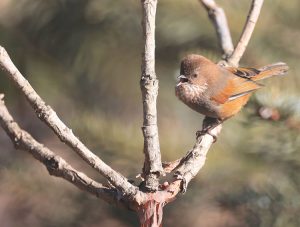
(194, 160)
(247, 32)
(149, 87)
(219, 20)
(48, 115)
(55, 165)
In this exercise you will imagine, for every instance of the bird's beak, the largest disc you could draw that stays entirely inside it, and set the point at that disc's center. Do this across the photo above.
(182, 79)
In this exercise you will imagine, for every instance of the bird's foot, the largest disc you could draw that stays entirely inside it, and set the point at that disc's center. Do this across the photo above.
(208, 125)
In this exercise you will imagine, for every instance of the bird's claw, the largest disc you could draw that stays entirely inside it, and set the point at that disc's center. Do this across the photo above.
(199, 133)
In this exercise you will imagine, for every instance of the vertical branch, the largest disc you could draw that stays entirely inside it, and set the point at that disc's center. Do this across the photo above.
(149, 87)
(219, 20)
(247, 32)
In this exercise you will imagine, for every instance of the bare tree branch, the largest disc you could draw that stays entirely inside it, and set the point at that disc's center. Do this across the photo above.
(149, 87)
(47, 115)
(55, 165)
(247, 32)
(149, 205)
(194, 160)
(219, 20)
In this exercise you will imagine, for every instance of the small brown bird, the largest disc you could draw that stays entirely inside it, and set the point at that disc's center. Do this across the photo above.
(219, 92)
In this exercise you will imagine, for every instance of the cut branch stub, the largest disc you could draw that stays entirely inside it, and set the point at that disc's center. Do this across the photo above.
(151, 214)
(151, 211)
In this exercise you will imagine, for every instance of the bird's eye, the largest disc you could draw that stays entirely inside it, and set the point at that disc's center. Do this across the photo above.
(195, 75)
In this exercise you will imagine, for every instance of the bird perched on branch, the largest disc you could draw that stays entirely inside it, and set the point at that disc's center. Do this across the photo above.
(219, 92)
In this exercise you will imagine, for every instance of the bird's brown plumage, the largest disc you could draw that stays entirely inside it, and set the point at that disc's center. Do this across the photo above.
(219, 92)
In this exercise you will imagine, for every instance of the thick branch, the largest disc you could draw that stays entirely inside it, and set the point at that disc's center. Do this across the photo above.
(219, 20)
(47, 115)
(151, 212)
(56, 165)
(247, 32)
(149, 87)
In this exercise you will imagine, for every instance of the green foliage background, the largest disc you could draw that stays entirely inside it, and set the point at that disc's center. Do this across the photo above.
(83, 57)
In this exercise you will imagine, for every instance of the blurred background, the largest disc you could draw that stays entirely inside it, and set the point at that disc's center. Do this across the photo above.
(83, 57)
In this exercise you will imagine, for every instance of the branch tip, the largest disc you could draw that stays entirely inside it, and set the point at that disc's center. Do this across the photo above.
(248, 29)
(219, 20)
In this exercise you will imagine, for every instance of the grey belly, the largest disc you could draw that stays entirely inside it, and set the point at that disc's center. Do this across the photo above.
(197, 101)
(202, 106)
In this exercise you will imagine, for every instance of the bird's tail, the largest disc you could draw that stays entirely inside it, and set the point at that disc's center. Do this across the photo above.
(276, 69)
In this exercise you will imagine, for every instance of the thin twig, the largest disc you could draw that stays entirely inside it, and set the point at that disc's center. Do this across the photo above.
(247, 32)
(56, 165)
(48, 115)
(219, 20)
(149, 87)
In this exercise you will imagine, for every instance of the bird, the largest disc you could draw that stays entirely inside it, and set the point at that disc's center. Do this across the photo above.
(219, 92)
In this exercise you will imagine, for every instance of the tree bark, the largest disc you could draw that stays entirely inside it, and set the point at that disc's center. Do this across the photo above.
(151, 214)
(149, 86)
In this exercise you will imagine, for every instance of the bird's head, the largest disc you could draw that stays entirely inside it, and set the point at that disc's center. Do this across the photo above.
(193, 80)
(193, 68)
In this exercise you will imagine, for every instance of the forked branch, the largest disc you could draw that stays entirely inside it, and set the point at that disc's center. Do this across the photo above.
(48, 116)
(148, 205)
(55, 165)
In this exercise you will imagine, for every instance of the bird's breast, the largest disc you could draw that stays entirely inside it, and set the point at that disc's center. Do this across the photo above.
(196, 98)
(187, 92)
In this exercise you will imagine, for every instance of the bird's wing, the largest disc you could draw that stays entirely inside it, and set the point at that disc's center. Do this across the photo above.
(246, 73)
(267, 71)
(235, 87)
